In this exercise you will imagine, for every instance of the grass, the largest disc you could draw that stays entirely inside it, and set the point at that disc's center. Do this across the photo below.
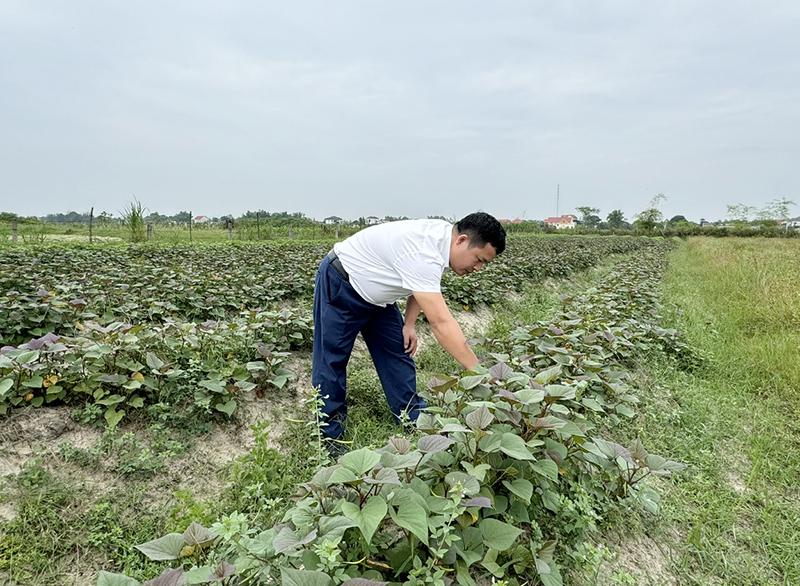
(734, 516)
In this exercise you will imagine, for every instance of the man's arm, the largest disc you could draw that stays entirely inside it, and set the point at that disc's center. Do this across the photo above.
(412, 311)
(445, 328)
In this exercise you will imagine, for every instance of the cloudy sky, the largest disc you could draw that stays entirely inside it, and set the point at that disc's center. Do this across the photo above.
(404, 108)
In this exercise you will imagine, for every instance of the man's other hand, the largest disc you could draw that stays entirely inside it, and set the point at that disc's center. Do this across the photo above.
(410, 340)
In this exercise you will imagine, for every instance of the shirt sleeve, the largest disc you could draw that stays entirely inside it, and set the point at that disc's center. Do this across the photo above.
(420, 272)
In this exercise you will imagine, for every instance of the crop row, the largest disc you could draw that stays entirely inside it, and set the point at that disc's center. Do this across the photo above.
(508, 474)
(53, 289)
(121, 368)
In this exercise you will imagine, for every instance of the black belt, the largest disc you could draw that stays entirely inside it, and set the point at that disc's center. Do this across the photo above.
(337, 265)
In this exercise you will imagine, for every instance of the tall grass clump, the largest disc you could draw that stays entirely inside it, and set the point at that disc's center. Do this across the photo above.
(133, 220)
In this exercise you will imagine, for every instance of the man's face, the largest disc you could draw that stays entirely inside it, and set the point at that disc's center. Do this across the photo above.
(466, 259)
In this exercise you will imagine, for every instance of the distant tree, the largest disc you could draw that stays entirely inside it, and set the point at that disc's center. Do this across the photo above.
(181, 217)
(586, 213)
(155, 218)
(592, 221)
(777, 209)
(676, 219)
(739, 212)
(68, 218)
(105, 218)
(648, 219)
(615, 219)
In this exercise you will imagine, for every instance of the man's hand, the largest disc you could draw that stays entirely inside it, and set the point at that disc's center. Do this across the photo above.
(410, 340)
(445, 328)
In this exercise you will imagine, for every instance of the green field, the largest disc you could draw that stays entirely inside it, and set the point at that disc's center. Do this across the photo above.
(169, 384)
(734, 517)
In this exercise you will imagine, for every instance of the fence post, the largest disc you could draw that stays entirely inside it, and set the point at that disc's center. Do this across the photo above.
(290, 231)
(258, 226)
(337, 231)
(190, 225)
(149, 231)
(91, 219)
(229, 224)
(13, 230)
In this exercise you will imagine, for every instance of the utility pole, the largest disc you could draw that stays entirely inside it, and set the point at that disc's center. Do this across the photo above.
(558, 195)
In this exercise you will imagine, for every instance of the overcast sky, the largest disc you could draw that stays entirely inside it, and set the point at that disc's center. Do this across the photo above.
(403, 108)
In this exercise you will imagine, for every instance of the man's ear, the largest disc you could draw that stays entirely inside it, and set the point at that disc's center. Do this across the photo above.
(462, 238)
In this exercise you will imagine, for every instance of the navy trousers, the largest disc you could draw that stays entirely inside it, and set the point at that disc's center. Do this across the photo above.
(339, 315)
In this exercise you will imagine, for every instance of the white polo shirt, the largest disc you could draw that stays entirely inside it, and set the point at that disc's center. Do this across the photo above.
(389, 261)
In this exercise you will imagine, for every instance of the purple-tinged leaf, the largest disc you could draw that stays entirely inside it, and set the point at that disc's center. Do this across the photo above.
(171, 577)
(431, 444)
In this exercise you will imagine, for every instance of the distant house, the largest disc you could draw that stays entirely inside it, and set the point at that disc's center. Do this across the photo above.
(791, 223)
(372, 220)
(565, 222)
(331, 220)
(505, 221)
(201, 220)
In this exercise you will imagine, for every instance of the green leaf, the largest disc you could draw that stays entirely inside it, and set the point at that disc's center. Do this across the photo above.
(592, 404)
(481, 418)
(529, 396)
(470, 382)
(548, 375)
(413, 517)
(521, 488)
(113, 417)
(469, 483)
(491, 443)
(228, 407)
(551, 501)
(199, 575)
(35, 382)
(650, 500)
(5, 385)
(153, 361)
(108, 579)
(478, 471)
(341, 475)
(546, 468)
(499, 535)
(290, 577)
(360, 461)
(333, 527)
(280, 380)
(111, 400)
(164, 548)
(369, 517)
(27, 357)
(215, 386)
(625, 410)
(513, 445)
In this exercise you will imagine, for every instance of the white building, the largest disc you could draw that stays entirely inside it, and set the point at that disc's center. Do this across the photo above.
(565, 222)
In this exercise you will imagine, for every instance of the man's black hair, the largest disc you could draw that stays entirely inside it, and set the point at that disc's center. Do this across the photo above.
(483, 229)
